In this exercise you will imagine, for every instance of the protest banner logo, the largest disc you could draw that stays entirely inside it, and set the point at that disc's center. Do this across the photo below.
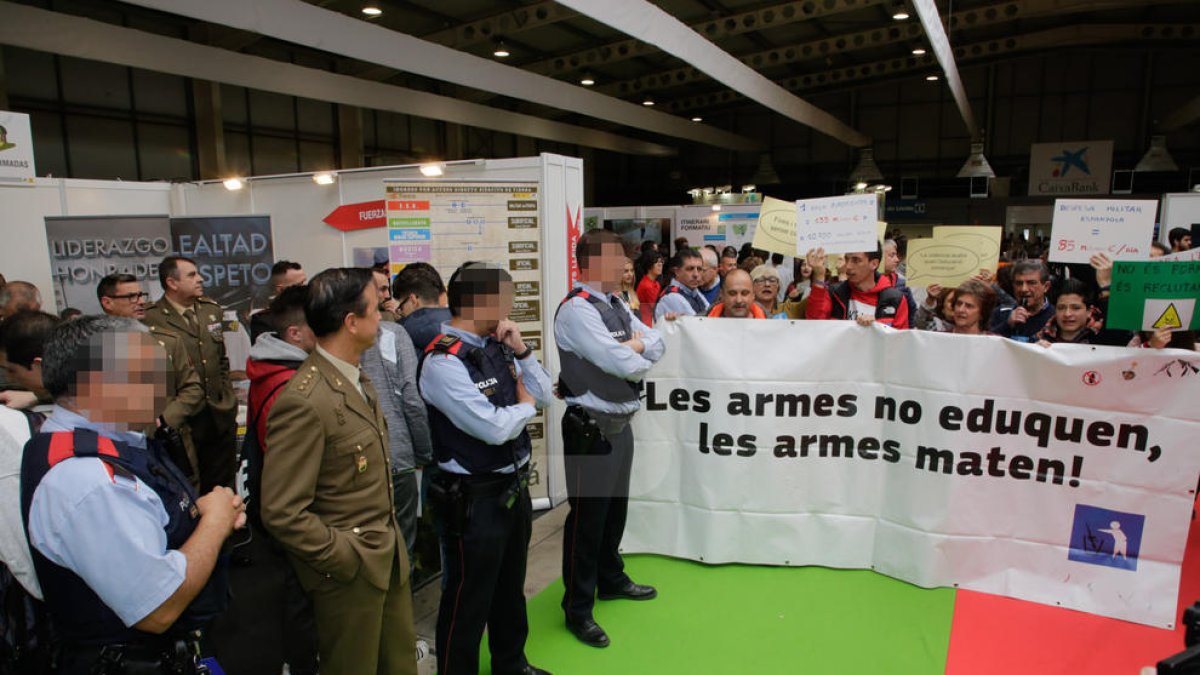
(1105, 537)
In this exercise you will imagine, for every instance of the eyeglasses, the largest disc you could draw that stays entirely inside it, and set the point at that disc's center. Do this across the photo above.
(131, 296)
(767, 280)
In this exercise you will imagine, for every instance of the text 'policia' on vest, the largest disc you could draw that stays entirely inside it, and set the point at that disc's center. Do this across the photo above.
(492, 371)
(578, 376)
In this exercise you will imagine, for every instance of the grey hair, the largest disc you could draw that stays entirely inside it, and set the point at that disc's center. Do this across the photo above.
(709, 256)
(25, 293)
(75, 347)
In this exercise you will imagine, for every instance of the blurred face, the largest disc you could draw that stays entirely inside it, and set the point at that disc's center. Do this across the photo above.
(859, 268)
(891, 259)
(382, 288)
(366, 327)
(187, 284)
(692, 272)
(627, 274)
(606, 269)
(30, 378)
(737, 293)
(488, 310)
(129, 387)
(1071, 313)
(805, 270)
(966, 312)
(708, 275)
(657, 270)
(948, 305)
(766, 289)
(727, 265)
(1030, 289)
(127, 299)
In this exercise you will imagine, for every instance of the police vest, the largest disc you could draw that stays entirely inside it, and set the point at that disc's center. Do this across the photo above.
(495, 377)
(578, 376)
(80, 616)
(694, 299)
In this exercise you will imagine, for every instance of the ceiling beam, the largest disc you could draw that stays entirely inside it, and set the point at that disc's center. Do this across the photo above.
(940, 43)
(504, 24)
(1079, 35)
(322, 29)
(649, 23)
(42, 30)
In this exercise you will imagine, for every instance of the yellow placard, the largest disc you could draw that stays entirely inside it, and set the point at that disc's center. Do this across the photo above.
(776, 228)
(953, 255)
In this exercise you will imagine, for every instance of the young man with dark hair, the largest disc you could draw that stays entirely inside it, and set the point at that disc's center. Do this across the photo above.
(23, 339)
(1025, 319)
(196, 321)
(604, 352)
(326, 487)
(865, 296)
(284, 274)
(683, 296)
(483, 386)
(419, 290)
(1180, 239)
(126, 552)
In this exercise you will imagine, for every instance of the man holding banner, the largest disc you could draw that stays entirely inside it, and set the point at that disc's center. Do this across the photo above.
(604, 352)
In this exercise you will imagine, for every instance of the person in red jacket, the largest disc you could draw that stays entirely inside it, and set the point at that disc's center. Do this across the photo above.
(865, 296)
(276, 355)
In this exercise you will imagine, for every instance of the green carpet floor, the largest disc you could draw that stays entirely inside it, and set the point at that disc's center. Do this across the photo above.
(745, 619)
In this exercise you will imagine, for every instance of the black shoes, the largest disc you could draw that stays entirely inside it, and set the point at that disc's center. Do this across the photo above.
(630, 591)
(533, 670)
(588, 632)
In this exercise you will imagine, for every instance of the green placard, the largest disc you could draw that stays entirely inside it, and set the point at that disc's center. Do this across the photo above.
(1151, 295)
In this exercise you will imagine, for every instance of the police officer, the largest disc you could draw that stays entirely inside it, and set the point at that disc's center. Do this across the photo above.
(327, 488)
(683, 297)
(122, 295)
(604, 351)
(195, 320)
(126, 553)
(483, 386)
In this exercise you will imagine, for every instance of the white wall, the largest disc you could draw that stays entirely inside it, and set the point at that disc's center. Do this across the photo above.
(24, 254)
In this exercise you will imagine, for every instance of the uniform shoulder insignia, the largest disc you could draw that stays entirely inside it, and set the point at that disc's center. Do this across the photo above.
(304, 383)
(444, 343)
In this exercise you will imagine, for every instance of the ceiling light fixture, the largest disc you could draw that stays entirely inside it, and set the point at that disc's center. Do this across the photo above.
(372, 10)
(648, 102)
(931, 78)
(432, 170)
(587, 80)
(866, 170)
(900, 13)
(233, 184)
(976, 165)
(1157, 158)
(324, 178)
(918, 51)
(501, 50)
(697, 119)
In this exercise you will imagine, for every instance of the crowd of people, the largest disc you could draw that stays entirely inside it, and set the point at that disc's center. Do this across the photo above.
(119, 457)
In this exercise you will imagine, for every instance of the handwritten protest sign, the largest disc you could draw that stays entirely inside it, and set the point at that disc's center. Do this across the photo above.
(845, 224)
(1154, 294)
(953, 255)
(776, 229)
(1119, 228)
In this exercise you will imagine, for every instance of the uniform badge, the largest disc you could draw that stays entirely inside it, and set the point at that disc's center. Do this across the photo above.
(361, 461)
(215, 329)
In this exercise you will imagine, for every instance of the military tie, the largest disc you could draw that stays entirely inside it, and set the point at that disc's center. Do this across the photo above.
(189, 315)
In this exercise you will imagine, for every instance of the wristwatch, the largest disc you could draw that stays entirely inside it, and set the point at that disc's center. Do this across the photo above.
(523, 355)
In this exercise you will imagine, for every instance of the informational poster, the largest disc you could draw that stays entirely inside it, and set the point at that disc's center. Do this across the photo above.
(1061, 476)
(844, 224)
(233, 253)
(1070, 168)
(85, 250)
(733, 225)
(451, 223)
(634, 231)
(16, 149)
(1122, 229)
(776, 229)
(369, 256)
(953, 255)
(1149, 295)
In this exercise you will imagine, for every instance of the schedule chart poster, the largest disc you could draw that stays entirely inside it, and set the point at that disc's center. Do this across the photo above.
(449, 223)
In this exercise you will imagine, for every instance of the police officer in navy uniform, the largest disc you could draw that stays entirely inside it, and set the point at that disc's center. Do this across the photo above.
(604, 351)
(126, 552)
(483, 385)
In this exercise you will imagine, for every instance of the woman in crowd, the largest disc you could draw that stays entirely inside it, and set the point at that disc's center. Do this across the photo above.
(629, 287)
(649, 270)
(973, 305)
(802, 286)
(766, 291)
(936, 312)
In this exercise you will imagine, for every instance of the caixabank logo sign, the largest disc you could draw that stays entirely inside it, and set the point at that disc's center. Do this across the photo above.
(1105, 537)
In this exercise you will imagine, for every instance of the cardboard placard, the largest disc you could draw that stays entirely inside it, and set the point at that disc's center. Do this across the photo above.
(1122, 229)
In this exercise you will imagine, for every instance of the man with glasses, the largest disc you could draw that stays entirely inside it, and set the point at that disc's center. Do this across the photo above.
(122, 295)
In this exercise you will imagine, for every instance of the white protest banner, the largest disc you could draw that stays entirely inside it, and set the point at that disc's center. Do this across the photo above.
(845, 224)
(1190, 255)
(1122, 229)
(1061, 476)
(16, 149)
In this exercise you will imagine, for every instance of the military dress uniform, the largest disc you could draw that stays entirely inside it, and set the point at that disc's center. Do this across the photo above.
(481, 496)
(327, 499)
(185, 399)
(214, 428)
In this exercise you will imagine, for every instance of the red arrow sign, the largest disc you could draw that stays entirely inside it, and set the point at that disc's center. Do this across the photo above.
(362, 216)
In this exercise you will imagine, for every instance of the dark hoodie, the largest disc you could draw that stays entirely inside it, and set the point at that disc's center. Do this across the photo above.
(842, 301)
(271, 364)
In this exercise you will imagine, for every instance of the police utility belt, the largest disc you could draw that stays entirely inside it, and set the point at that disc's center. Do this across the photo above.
(166, 656)
(506, 487)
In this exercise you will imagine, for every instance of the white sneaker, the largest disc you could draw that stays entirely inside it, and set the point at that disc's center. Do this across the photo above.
(423, 649)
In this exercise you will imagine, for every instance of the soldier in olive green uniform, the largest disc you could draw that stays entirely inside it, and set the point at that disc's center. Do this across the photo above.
(122, 295)
(327, 489)
(196, 322)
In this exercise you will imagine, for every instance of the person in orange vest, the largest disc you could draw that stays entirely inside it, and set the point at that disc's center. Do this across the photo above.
(737, 298)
